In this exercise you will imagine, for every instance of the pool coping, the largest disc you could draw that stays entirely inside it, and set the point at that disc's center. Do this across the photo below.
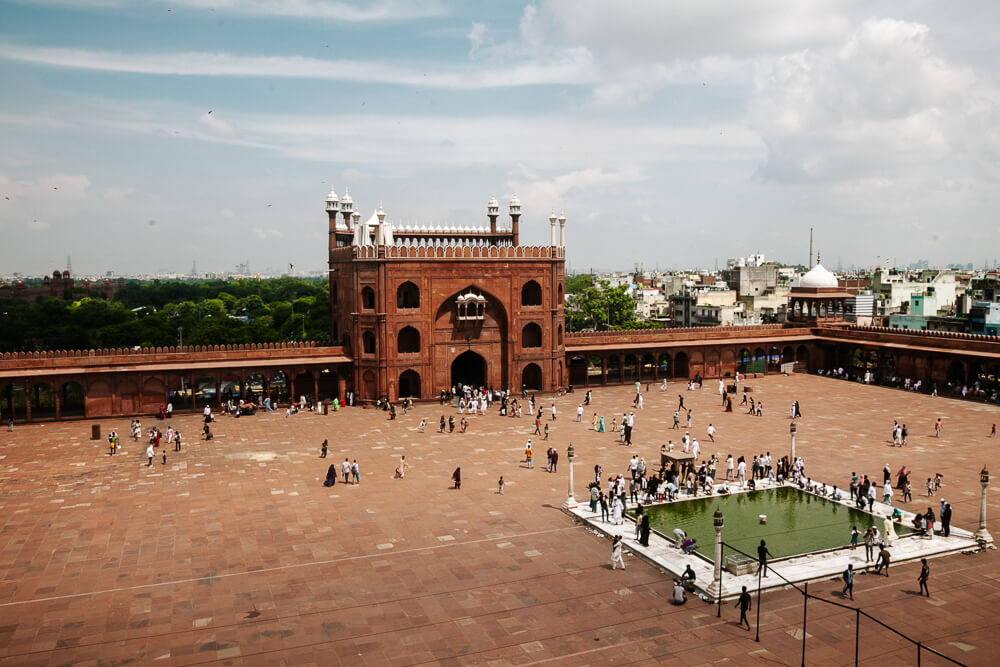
(802, 568)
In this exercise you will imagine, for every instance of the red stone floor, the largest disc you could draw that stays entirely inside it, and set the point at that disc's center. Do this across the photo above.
(234, 551)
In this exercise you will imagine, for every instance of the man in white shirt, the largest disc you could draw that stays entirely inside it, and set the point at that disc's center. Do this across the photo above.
(711, 432)
(741, 470)
(695, 449)
(579, 412)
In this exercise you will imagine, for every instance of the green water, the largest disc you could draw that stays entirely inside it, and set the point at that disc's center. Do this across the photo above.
(797, 522)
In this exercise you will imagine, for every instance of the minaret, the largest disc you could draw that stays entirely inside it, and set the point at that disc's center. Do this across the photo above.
(562, 230)
(492, 211)
(347, 209)
(553, 240)
(332, 207)
(515, 215)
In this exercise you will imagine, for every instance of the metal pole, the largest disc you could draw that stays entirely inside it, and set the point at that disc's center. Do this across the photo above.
(805, 604)
(759, 580)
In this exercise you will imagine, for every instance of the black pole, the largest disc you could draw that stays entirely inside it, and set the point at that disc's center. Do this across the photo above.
(918, 654)
(857, 635)
(805, 603)
(757, 638)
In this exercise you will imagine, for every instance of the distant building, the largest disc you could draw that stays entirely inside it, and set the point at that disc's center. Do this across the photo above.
(984, 318)
(61, 285)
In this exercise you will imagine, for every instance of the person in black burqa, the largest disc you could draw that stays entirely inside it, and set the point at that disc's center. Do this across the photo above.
(331, 475)
(457, 477)
(644, 530)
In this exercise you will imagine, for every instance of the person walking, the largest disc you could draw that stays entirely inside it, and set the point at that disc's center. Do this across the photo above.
(711, 432)
(603, 500)
(883, 561)
(527, 453)
(937, 428)
(762, 554)
(617, 553)
(553, 412)
(356, 472)
(538, 427)
(323, 449)
(925, 572)
(848, 581)
(744, 603)
(500, 485)
(149, 455)
(345, 470)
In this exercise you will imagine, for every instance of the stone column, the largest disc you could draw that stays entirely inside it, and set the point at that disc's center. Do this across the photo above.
(570, 500)
(717, 574)
(982, 535)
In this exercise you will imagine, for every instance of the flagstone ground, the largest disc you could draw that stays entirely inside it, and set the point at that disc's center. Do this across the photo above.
(234, 551)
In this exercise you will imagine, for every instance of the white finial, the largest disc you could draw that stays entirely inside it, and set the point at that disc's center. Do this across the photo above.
(553, 218)
(562, 217)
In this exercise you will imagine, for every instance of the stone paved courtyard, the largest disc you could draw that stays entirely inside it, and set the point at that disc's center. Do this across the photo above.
(234, 551)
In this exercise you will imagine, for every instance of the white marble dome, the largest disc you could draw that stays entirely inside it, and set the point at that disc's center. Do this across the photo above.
(818, 276)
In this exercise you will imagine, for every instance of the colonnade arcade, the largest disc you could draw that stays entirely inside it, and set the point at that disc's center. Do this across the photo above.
(654, 365)
(105, 394)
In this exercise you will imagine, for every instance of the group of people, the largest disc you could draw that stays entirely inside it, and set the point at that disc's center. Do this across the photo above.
(349, 471)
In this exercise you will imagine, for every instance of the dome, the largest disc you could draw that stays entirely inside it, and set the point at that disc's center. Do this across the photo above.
(818, 276)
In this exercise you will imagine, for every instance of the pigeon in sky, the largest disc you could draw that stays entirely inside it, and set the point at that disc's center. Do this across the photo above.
(209, 112)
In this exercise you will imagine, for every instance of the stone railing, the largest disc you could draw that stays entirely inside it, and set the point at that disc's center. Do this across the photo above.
(451, 252)
(946, 340)
(665, 336)
(150, 355)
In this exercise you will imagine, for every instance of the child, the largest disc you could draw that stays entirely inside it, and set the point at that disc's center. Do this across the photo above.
(546, 432)
(937, 481)
(854, 537)
(930, 487)
(423, 423)
(500, 485)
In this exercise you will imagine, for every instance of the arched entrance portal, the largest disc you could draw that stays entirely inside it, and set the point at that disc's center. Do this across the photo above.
(468, 368)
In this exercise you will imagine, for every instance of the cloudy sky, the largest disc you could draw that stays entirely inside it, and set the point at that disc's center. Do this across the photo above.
(145, 135)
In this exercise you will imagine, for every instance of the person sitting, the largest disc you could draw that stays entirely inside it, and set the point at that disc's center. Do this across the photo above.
(835, 493)
(689, 545)
(687, 578)
(678, 597)
(207, 432)
(751, 484)
(896, 515)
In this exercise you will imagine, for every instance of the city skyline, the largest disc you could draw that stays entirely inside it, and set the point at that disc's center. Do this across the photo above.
(147, 137)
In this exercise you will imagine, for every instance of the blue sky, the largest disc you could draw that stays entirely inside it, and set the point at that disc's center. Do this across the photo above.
(674, 134)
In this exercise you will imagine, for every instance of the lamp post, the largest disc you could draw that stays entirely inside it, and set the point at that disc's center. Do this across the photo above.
(982, 535)
(717, 521)
(792, 428)
(570, 503)
(180, 336)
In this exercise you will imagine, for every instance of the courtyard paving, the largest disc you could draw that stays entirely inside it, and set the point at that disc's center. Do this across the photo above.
(234, 552)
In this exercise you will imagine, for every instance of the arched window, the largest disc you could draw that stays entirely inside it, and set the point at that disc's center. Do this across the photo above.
(333, 292)
(408, 341)
(531, 294)
(531, 335)
(559, 335)
(408, 296)
(560, 302)
(368, 342)
(368, 298)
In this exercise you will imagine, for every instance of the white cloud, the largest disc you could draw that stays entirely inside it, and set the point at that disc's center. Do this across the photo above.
(476, 37)
(571, 66)
(884, 103)
(333, 10)
(265, 234)
(226, 213)
(211, 120)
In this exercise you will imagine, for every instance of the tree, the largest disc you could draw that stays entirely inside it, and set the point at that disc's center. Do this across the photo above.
(602, 307)
(579, 282)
